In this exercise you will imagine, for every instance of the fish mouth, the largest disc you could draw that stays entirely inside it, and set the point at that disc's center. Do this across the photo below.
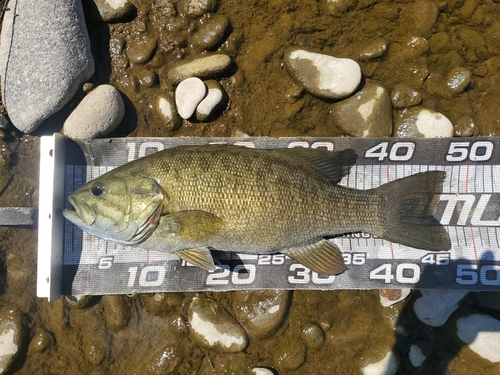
(83, 215)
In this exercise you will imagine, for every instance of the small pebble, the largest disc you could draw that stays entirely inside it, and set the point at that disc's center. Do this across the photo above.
(188, 94)
(204, 67)
(290, 355)
(11, 332)
(141, 53)
(313, 336)
(161, 303)
(211, 34)
(261, 312)
(99, 113)
(323, 75)
(482, 333)
(375, 49)
(366, 114)
(422, 122)
(435, 306)
(41, 341)
(419, 351)
(404, 96)
(95, 351)
(465, 127)
(210, 326)
(197, 7)
(116, 310)
(214, 102)
(388, 365)
(389, 297)
(458, 79)
(262, 371)
(165, 110)
(114, 10)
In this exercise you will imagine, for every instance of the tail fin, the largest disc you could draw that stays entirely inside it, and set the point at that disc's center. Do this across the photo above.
(408, 213)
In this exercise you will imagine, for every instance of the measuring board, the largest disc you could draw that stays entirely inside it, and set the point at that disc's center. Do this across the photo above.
(71, 262)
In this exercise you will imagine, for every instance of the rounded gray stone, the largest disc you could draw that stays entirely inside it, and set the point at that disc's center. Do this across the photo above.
(188, 95)
(98, 114)
(366, 114)
(165, 110)
(322, 75)
(44, 59)
(211, 33)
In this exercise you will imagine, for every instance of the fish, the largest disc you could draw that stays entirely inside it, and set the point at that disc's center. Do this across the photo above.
(189, 200)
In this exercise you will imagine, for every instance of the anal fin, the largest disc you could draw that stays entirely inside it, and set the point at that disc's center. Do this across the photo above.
(322, 257)
(199, 257)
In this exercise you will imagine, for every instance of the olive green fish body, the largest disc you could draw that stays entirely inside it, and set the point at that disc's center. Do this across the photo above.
(262, 201)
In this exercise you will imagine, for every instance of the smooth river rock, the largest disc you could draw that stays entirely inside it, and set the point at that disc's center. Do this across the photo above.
(366, 114)
(214, 102)
(261, 312)
(167, 113)
(98, 114)
(44, 59)
(323, 75)
(188, 95)
(114, 10)
(420, 122)
(482, 333)
(11, 332)
(211, 327)
(205, 67)
(435, 306)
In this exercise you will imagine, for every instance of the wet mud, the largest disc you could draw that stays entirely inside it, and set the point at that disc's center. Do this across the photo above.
(149, 334)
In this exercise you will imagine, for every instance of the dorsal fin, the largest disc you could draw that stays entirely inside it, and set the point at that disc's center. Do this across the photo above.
(333, 165)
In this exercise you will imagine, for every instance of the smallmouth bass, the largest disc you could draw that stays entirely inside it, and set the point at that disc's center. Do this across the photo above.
(191, 199)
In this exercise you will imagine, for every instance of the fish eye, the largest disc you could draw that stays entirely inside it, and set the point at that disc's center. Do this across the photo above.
(97, 189)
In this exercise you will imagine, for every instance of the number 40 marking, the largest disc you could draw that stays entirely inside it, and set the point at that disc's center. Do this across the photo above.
(399, 151)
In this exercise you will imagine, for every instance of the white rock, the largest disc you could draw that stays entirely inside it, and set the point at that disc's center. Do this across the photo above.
(386, 366)
(389, 297)
(10, 338)
(213, 328)
(214, 101)
(113, 10)
(323, 75)
(423, 122)
(435, 306)
(165, 110)
(99, 113)
(188, 94)
(482, 334)
(262, 371)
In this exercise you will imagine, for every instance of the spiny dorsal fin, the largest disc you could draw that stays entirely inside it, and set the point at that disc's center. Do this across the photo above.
(198, 257)
(322, 257)
(333, 165)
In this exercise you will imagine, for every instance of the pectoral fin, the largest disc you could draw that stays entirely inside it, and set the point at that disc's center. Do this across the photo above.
(195, 225)
(198, 257)
(322, 257)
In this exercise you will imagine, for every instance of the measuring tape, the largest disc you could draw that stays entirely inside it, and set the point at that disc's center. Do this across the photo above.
(469, 208)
